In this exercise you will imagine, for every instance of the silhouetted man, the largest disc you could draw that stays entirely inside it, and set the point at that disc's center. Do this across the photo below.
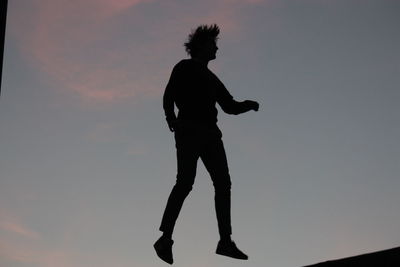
(195, 90)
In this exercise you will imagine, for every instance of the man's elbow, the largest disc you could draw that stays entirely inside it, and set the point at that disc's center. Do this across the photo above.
(231, 111)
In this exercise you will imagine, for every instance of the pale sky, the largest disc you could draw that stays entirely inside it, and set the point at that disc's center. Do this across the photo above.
(87, 161)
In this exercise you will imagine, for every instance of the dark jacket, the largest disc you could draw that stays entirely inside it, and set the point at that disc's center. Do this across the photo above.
(194, 89)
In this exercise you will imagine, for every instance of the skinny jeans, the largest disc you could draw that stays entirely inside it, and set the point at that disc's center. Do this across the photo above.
(194, 141)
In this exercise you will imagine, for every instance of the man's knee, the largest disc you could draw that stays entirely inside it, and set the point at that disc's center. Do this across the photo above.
(222, 183)
(184, 183)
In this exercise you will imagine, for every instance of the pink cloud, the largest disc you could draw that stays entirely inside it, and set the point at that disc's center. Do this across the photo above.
(35, 257)
(11, 224)
(19, 243)
(18, 228)
(57, 33)
(26, 250)
(72, 44)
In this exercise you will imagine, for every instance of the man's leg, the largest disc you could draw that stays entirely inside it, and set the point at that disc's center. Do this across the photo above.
(187, 162)
(214, 159)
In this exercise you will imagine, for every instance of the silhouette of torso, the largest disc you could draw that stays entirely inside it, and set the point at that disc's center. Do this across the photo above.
(195, 90)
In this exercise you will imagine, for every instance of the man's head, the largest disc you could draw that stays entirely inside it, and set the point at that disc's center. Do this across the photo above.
(202, 42)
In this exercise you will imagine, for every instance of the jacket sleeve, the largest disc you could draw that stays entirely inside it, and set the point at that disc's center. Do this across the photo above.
(228, 104)
(170, 94)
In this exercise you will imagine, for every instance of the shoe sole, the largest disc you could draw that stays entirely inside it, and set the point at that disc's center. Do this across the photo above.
(231, 256)
(161, 256)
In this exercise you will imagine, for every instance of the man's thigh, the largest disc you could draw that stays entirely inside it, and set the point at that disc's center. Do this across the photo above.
(187, 155)
(214, 158)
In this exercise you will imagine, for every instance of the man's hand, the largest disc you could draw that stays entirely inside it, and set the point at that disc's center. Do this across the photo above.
(253, 105)
(171, 124)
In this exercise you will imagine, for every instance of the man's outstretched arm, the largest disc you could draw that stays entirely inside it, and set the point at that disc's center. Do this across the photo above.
(231, 106)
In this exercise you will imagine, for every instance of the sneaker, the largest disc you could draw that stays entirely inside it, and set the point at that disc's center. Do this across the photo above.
(163, 247)
(229, 249)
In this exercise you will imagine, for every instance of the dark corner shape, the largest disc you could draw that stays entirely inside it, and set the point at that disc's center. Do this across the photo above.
(3, 19)
(384, 258)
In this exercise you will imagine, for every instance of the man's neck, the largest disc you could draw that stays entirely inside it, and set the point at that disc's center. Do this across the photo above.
(202, 61)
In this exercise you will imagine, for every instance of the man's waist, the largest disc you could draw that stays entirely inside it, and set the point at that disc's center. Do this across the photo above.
(209, 118)
(197, 122)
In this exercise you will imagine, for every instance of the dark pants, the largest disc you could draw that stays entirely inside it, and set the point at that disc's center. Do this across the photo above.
(194, 141)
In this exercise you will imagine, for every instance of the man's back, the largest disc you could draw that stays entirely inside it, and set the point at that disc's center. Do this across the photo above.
(195, 90)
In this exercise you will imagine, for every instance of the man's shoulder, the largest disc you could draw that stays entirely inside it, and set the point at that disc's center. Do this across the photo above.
(184, 65)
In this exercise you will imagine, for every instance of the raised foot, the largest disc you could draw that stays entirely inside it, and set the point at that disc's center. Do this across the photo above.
(163, 247)
(229, 249)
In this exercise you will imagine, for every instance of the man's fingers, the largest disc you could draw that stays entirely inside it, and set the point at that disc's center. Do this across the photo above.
(256, 106)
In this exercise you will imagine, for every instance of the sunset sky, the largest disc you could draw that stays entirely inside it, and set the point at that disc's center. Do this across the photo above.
(87, 160)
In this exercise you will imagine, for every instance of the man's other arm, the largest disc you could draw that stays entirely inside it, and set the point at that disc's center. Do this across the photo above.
(169, 99)
(231, 106)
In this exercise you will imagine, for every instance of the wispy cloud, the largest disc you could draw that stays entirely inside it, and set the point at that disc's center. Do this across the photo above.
(99, 49)
(34, 256)
(22, 244)
(69, 41)
(18, 228)
(12, 225)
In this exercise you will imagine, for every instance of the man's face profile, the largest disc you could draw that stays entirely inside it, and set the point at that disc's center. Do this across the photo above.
(208, 50)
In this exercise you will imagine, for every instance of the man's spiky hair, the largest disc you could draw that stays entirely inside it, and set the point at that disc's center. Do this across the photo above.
(198, 37)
